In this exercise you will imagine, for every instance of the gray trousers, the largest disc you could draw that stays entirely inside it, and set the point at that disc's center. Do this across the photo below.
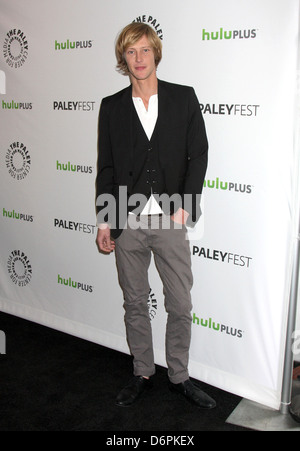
(167, 241)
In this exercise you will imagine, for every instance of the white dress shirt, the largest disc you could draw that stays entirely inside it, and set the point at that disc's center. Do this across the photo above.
(148, 119)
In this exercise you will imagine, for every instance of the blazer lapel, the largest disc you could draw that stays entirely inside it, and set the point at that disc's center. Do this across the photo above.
(162, 125)
(167, 109)
(162, 104)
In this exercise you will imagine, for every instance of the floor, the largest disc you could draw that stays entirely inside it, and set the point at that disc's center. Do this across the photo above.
(51, 381)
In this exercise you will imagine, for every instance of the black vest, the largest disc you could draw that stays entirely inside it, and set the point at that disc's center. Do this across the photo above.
(147, 173)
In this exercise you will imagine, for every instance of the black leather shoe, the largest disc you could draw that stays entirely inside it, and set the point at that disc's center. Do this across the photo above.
(193, 394)
(133, 390)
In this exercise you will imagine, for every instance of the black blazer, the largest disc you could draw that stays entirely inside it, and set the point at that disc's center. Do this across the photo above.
(182, 141)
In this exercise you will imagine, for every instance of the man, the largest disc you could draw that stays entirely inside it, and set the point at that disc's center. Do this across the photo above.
(152, 141)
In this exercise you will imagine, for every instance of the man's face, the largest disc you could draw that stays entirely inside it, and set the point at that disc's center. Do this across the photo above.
(140, 60)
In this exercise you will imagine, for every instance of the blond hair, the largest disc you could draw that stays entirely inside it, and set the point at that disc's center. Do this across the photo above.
(129, 36)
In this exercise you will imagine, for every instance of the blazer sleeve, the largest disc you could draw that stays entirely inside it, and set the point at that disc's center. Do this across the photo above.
(197, 146)
(105, 167)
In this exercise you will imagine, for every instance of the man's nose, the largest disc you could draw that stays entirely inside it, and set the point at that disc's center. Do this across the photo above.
(139, 55)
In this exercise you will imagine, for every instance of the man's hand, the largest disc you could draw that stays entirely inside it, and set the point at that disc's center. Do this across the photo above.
(180, 217)
(104, 241)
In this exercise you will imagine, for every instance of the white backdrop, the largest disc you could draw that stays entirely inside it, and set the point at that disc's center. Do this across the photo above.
(57, 63)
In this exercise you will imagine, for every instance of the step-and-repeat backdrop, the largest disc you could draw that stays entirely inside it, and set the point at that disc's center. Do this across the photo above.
(57, 62)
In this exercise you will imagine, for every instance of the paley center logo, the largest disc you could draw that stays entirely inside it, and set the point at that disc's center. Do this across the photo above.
(18, 160)
(19, 268)
(151, 20)
(15, 48)
(152, 304)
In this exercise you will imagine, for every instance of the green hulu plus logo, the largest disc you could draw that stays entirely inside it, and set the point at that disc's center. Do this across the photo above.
(70, 45)
(228, 186)
(228, 35)
(209, 323)
(69, 167)
(68, 282)
(16, 105)
(19, 216)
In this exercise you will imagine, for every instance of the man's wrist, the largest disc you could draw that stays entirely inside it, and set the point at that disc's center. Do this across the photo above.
(104, 226)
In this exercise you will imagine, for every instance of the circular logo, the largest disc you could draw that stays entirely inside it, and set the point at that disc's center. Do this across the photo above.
(15, 48)
(152, 304)
(19, 268)
(18, 161)
(153, 21)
